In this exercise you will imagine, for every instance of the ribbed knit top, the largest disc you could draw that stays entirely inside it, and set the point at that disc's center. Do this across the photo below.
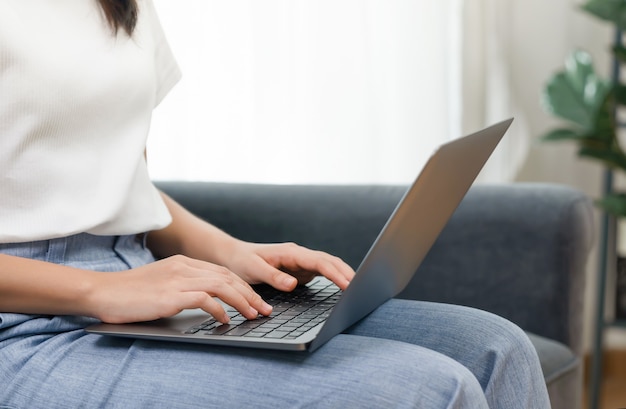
(75, 110)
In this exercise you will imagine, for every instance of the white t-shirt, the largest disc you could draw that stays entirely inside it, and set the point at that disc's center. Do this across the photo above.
(75, 110)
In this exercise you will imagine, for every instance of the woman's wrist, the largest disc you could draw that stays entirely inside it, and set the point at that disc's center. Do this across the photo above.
(191, 236)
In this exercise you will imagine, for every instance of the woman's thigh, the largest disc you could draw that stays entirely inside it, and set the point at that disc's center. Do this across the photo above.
(75, 369)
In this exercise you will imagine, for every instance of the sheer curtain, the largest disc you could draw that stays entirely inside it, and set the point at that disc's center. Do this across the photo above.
(328, 91)
(487, 87)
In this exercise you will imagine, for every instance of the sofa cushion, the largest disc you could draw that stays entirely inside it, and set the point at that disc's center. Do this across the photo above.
(556, 359)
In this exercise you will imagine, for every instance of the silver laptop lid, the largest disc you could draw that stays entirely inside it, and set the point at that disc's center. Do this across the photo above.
(413, 227)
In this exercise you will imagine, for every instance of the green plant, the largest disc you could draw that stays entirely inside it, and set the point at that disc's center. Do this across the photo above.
(588, 103)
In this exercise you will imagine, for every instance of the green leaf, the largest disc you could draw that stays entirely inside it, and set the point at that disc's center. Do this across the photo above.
(614, 203)
(576, 94)
(563, 134)
(579, 70)
(609, 10)
(604, 127)
(620, 94)
(620, 53)
(607, 154)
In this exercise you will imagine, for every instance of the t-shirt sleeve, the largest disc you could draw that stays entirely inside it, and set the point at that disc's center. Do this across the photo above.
(168, 72)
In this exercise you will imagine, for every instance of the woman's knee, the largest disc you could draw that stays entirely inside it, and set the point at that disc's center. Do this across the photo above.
(479, 330)
(506, 339)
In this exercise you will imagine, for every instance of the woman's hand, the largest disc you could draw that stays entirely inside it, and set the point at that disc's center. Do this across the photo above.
(285, 265)
(189, 283)
(166, 287)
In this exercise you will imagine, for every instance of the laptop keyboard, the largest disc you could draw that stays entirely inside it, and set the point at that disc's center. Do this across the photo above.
(294, 313)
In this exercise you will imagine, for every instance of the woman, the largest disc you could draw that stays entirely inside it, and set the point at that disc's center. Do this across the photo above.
(85, 236)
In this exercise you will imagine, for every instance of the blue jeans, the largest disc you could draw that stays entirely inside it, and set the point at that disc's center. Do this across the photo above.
(440, 356)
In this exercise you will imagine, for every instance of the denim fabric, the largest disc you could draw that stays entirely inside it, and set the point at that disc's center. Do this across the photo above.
(442, 356)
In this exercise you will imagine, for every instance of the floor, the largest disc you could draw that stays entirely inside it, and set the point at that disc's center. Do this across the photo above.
(613, 394)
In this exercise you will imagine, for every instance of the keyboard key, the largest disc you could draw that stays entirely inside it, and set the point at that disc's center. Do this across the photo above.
(276, 334)
(255, 334)
(220, 330)
(237, 331)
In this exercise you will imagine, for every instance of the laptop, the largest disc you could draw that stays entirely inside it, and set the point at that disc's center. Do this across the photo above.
(303, 320)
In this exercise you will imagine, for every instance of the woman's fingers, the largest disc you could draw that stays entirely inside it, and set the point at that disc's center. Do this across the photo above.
(286, 261)
(232, 291)
(332, 268)
(218, 281)
(168, 286)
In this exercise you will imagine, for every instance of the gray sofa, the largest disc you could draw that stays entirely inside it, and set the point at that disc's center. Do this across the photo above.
(518, 250)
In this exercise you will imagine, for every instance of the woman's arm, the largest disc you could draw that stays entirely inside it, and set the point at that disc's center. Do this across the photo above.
(37, 287)
(155, 290)
(200, 262)
(280, 265)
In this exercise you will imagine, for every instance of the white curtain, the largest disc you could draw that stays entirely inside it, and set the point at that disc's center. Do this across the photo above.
(487, 89)
(330, 91)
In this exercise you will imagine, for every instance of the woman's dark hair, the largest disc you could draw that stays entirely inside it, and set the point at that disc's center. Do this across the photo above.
(120, 14)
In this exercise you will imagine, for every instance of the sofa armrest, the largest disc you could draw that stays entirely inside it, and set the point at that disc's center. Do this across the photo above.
(517, 250)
